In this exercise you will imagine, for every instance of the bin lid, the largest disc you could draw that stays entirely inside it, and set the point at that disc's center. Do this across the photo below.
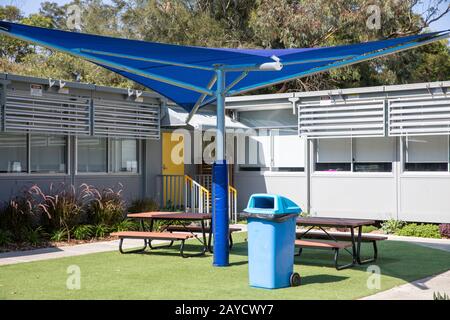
(264, 203)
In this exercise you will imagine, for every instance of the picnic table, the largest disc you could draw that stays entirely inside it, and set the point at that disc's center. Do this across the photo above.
(336, 242)
(182, 218)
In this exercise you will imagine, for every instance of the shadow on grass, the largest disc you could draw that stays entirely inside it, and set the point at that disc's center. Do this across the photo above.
(321, 278)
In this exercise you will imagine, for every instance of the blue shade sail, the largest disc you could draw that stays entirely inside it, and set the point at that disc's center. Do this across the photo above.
(186, 74)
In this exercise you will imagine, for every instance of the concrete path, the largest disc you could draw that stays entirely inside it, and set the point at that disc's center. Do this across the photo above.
(418, 290)
(65, 251)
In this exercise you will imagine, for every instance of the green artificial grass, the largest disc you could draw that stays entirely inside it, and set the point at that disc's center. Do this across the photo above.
(163, 274)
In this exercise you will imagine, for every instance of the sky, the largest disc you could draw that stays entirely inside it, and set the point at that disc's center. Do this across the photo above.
(32, 6)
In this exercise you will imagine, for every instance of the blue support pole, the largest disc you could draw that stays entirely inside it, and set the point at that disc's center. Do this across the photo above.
(220, 182)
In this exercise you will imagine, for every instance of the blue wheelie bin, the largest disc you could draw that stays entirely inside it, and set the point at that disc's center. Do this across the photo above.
(271, 241)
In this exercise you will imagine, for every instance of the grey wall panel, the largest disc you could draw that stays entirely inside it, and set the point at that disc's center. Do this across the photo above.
(152, 167)
(353, 197)
(291, 186)
(425, 198)
(11, 186)
(131, 185)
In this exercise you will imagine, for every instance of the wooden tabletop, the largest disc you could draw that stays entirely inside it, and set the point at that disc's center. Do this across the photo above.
(333, 222)
(150, 214)
(171, 215)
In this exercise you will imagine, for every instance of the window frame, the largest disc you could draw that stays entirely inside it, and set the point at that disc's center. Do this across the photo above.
(29, 173)
(352, 162)
(271, 170)
(109, 172)
(420, 173)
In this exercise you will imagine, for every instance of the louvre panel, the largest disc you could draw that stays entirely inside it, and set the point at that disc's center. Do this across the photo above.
(419, 116)
(362, 118)
(59, 114)
(126, 119)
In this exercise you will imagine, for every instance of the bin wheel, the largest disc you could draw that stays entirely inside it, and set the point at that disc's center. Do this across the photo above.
(295, 279)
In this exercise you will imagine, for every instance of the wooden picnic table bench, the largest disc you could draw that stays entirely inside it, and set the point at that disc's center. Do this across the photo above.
(325, 244)
(193, 228)
(343, 236)
(170, 217)
(149, 236)
(354, 239)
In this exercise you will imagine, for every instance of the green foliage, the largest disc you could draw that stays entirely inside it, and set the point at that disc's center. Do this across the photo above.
(107, 207)
(6, 237)
(391, 226)
(34, 236)
(59, 235)
(305, 214)
(143, 205)
(127, 225)
(368, 229)
(440, 296)
(84, 232)
(101, 230)
(419, 230)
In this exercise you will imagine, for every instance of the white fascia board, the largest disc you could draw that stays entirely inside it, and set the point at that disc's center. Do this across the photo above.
(260, 97)
(263, 101)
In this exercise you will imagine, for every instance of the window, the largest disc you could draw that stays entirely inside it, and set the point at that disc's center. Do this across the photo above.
(124, 155)
(426, 153)
(103, 155)
(257, 152)
(48, 154)
(356, 155)
(92, 155)
(288, 151)
(373, 154)
(275, 150)
(333, 155)
(13, 153)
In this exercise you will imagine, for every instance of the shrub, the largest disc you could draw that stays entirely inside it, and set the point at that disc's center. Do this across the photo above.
(17, 216)
(391, 226)
(127, 225)
(6, 237)
(444, 230)
(59, 235)
(143, 205)
(419, 230)
(106, 207)
(101, 230)
(368, 229)
(62, 207)
(34, 236)
(83, 232)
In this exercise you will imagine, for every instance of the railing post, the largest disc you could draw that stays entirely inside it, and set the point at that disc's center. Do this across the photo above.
(185, 193)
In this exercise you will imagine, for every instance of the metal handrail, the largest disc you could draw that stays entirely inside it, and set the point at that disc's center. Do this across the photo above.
(232, 203)
(199, 195)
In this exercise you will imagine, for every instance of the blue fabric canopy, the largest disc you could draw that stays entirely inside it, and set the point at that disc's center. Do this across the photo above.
(186, 74)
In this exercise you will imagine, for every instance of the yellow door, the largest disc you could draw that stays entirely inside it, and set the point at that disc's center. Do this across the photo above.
(173, 169)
